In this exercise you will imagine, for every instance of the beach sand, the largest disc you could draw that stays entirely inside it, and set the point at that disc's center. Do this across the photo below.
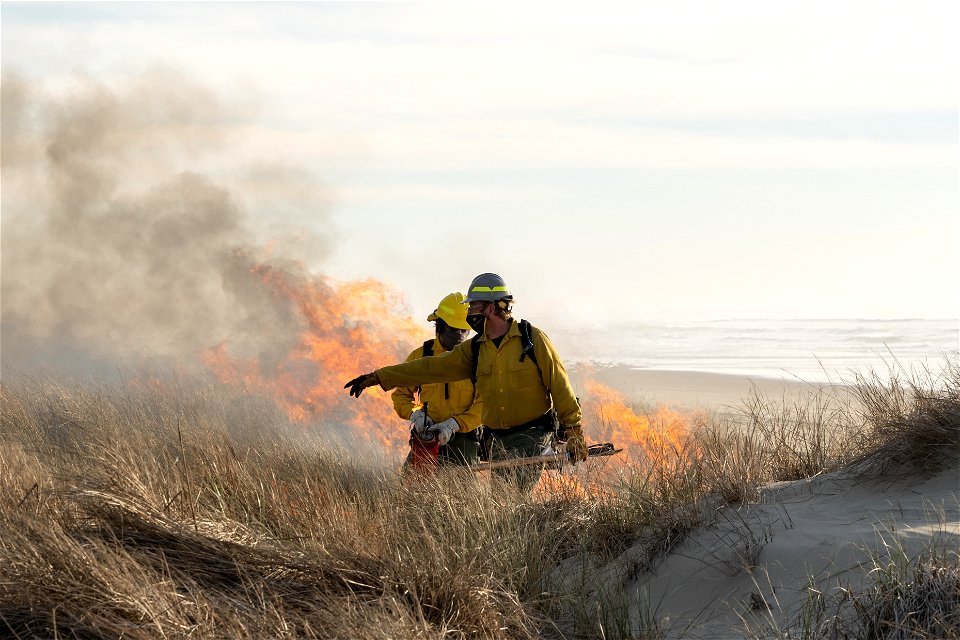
(751, 571)
(748, 571)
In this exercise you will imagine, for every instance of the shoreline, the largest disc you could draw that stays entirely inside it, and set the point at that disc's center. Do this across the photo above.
(692, 389)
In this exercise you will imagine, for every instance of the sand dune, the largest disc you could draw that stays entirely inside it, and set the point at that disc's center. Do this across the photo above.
(755, 566)
(751, 569)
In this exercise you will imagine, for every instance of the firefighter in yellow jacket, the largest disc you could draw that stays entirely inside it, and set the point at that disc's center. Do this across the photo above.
(453, 408)
(520, 378)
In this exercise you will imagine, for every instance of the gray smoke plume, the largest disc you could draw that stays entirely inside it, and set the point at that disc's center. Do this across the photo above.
(114, 252)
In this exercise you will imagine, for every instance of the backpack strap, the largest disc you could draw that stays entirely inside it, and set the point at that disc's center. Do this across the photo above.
(526, 344)
(475, 351)
(427, 352)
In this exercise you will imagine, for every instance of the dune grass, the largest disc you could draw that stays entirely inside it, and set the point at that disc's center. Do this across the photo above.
(903, 597)
(907, 597)
(176, 507)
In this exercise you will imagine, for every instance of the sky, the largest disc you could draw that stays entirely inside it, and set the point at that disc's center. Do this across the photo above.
(633, 162)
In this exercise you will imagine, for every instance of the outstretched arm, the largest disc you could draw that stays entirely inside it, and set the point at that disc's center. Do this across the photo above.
(446, 367)
(404, 398)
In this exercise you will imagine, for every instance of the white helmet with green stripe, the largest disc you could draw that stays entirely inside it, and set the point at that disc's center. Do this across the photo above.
(487, 286)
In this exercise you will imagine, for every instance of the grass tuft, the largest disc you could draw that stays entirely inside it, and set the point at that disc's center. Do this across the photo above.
(913, 420)
(173, 507)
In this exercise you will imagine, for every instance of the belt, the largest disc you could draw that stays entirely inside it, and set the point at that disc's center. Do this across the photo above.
(546, 421)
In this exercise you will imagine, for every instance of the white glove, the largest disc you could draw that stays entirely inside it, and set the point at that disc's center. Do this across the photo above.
(421, 422)
(444, 430)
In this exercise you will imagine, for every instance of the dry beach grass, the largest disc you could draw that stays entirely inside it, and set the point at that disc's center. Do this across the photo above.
(178, 508)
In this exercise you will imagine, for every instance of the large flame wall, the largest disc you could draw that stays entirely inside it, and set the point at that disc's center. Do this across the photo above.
(349, 328)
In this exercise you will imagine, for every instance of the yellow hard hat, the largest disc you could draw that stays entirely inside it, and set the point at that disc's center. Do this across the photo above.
(452, 311)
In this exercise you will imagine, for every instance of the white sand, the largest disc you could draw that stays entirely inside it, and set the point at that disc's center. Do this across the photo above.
(752, 567)
(722, 579)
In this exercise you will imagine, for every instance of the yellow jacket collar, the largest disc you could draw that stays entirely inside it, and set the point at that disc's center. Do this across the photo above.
(513, 331)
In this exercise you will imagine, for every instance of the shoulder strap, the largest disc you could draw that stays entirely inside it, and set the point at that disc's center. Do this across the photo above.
(475, 351)
(427, 352)
(526, 343)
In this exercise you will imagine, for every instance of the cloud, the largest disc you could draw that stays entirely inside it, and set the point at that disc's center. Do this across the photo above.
(536, 117)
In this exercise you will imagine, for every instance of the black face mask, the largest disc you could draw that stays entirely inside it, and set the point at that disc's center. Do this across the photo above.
(449, 336)
(476, 320)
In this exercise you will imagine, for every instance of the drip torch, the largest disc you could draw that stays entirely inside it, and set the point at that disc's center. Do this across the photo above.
(424, 447)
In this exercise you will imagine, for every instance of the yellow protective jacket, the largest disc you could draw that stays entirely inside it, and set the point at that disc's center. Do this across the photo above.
(463, 403)
(513, 392)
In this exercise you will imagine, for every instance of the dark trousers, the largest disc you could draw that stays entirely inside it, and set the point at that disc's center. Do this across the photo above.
(520, 443)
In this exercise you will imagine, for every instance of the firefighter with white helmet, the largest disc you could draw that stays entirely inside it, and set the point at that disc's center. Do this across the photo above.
(526, 392)
(452, 408)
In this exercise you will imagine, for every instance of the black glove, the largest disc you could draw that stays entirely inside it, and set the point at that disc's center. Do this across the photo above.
(358, 384)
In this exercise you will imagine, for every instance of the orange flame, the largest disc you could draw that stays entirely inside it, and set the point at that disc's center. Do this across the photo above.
(658, 437)
(661, 439)
(349, 328)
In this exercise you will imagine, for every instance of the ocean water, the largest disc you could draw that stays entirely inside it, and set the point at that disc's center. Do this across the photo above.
(809, 350)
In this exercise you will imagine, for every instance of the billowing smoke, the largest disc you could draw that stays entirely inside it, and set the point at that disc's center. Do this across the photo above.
(116, 249)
